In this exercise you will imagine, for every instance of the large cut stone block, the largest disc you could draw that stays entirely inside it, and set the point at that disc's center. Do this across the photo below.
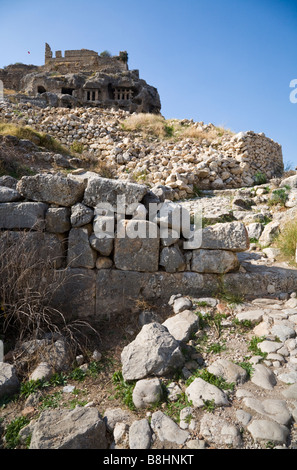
(18, 215)
(54, 189)
(102, 190)
(137, 254)
(41, 248)
(57, 220)
(119, 291)
(214, 261)
(75, 293)
(80, 253)
(231, 236)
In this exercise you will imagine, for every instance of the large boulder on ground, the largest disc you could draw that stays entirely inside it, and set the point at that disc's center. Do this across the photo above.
(140, 435)
(182, 325)
(228, 371)
(269, 233)
(147, 392)
(167, 430)
(153, 352)
(219, 431)
(81, 428)
(290, 181)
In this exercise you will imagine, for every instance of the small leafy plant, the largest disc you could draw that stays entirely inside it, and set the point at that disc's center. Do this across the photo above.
(210, 378)
(278, 196)
(124, 389)
(12, 431)
(253, 347)
(260, 178)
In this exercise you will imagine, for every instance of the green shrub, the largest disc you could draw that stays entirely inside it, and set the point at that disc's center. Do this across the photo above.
(253, 347)
(279, 196)
(105, 54)
(12, 431)
(260, 178)
(211, 379)
(124, 389)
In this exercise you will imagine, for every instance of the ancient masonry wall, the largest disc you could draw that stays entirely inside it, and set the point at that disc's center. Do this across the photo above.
(75, 61)
(62, 218)
(183, 166)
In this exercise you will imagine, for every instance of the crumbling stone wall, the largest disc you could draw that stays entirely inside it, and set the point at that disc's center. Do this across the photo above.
(64, 217)
(83, 60)
(256, 154)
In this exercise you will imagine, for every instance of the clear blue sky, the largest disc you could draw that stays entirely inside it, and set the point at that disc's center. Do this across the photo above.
(229, 62)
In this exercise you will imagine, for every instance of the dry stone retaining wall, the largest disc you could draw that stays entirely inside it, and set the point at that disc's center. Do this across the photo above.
(185, 166)
(63, 219)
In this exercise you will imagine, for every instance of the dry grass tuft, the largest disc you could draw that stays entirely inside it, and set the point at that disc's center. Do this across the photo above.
(28, 286)
(38, 138)
(148, 124)
(152, 125)
(287, 240)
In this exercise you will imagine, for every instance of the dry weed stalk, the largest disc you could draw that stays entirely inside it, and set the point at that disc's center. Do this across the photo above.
(28, 284)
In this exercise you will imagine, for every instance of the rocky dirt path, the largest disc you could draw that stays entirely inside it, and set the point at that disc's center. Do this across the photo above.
(236, 389)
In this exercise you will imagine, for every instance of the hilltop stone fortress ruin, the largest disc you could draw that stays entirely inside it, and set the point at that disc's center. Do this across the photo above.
(82, 77)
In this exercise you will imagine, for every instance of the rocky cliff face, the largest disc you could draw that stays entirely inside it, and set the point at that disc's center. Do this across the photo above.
(108, 88)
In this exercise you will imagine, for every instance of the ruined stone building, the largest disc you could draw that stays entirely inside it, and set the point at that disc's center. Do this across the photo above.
(82, 77)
